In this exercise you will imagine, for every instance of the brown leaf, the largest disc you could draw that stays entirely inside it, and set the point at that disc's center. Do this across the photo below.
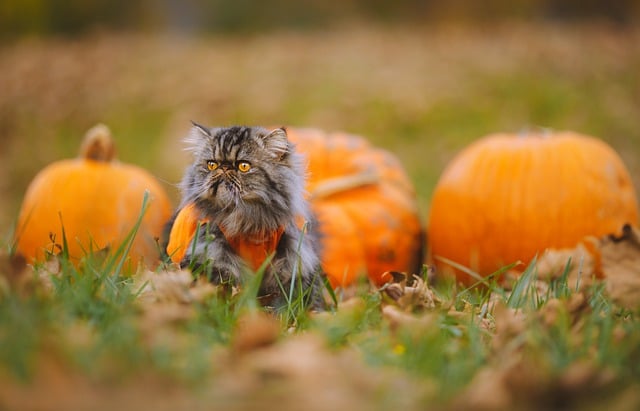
(50, 268)
(166, 299)
(14, 272)
(614, 258)
(400, 319)
(172, 286)
(509, 324)
(419, 295)
(393, 291)
(17, 275)
(574, 308)
(396, 276)
(255, 329)
(486, 391)
(157, 315)
(620, 262)
(303, 369)
(583, 376)
(583, 264)
(414, 297)
(522, 381)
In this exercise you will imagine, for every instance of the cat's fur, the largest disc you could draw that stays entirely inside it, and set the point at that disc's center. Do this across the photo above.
(268, 197)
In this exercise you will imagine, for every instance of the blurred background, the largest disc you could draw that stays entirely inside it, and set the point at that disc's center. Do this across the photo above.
(420, 78)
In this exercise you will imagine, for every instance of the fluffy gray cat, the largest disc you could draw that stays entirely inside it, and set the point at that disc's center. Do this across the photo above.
(248, 183)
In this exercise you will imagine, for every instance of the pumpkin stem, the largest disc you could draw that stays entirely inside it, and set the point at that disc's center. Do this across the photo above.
(97, 144)
(332, 186)
(535, 131)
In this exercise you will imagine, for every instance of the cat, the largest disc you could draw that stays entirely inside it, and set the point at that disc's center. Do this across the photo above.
(247, 183)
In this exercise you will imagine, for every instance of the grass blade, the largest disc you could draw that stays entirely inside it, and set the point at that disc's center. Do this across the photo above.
(521, 289)
(122, 251)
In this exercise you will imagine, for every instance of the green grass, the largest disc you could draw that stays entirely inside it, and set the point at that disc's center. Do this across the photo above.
(92, 321)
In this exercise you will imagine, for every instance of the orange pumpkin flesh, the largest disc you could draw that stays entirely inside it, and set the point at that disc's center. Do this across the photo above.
(506, 198)
(183, 229)
(98, 201)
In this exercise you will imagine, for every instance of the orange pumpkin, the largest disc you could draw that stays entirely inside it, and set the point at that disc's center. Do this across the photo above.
(97, 199)
(506, 198)
(365, 205)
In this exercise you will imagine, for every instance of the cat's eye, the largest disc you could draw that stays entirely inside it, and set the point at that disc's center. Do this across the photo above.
(244, 166)
(212, 165)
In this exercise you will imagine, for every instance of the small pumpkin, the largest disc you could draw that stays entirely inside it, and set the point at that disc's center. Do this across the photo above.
(506, 198)
(365, 205)
(98, 201)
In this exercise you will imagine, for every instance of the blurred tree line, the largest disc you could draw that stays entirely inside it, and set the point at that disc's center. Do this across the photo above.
(73, 17)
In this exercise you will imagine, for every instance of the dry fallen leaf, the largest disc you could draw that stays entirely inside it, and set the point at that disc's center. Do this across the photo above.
(175, 286)
(486, 391)
(616, 259)
(509, 324)
(575, 308)
(14, 272)
(620, 264)
(522, 381)
(582, 264)
(57, 385)
(255, 329)
(165, 286)
(302, 371)
(166, 298)
(411, 294)
(414, 324)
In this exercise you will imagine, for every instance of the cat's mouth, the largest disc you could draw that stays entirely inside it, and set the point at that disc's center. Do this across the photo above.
(223, 186)
(228, 192)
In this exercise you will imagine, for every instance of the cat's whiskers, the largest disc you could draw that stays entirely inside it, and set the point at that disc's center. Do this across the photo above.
(201, 190)
(235, 181)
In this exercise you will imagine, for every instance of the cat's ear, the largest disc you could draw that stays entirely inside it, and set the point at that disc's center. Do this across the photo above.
(200, 129)
(196, 135)
(276, 142)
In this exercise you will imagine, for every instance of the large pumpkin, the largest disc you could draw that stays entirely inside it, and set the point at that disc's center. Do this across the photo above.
(97, 199)
(506, 198)
(365, 205)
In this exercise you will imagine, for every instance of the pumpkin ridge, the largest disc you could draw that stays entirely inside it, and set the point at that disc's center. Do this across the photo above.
(331, 186)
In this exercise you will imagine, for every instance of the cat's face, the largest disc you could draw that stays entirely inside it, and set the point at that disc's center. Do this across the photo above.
(239, 166)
